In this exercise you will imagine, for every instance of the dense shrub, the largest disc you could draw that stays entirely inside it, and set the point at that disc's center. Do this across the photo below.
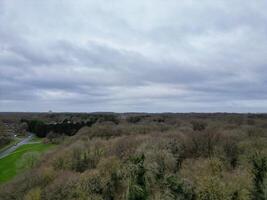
(231, 151)
(134, 119)
(137, 189)
(259, 171)
(178, 189)
(198, 125)
(202, 143)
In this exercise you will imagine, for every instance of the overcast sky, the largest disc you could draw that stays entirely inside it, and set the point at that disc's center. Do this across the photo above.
(141, 55)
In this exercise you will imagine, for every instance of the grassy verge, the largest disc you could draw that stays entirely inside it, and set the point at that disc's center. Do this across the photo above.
(36, 139)
(9, 164)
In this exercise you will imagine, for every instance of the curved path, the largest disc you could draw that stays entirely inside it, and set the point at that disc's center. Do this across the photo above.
(15, 146)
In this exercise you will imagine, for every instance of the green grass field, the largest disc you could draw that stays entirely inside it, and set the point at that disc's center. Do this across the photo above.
(36, 139)
(9, 164)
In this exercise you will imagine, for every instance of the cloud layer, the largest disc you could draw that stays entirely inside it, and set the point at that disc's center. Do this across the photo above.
(143, 55)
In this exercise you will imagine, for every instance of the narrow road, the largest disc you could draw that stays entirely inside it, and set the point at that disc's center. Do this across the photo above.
(15, 146)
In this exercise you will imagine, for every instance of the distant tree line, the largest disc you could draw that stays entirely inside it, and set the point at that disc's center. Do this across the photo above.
(41, 129)
(67, 127)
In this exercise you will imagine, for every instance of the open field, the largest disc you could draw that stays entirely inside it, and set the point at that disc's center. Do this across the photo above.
(9, 166)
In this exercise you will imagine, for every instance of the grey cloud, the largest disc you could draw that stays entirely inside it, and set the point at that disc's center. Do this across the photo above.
(133, 56)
